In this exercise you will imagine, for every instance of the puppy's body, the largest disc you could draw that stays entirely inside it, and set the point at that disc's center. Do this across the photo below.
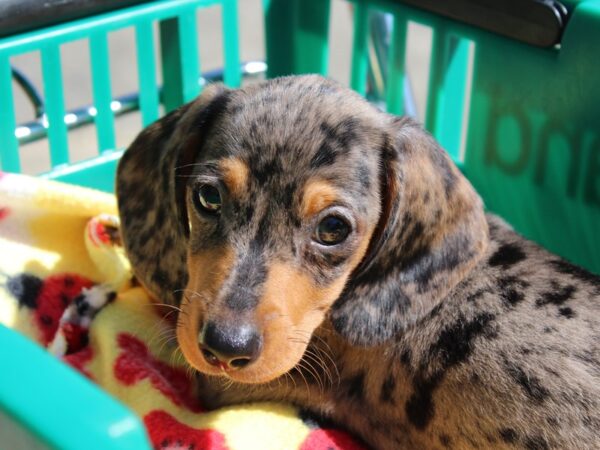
(510, 359)
(429, 326)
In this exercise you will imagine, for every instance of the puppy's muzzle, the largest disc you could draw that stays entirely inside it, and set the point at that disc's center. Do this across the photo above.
(230, 346)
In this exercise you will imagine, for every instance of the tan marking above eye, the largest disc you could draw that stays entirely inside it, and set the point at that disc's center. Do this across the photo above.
(317, 196)
(235, 175)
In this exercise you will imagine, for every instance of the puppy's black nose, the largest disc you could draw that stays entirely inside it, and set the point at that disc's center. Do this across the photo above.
(230, 346)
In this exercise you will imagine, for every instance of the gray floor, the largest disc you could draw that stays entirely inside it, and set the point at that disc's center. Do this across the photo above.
(76, 72)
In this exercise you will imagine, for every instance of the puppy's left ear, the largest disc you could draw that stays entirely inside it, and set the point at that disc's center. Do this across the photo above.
(431, 233)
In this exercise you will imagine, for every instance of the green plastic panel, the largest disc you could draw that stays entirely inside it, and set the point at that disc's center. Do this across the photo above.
(180, 67)
(358, 75)
(534, 137)
(9, 149)
(526, 131)
(97, 173)
(397, 72)
(105, 121)
(74, 414)
(55, 104)
(149, 101)
(296, 36)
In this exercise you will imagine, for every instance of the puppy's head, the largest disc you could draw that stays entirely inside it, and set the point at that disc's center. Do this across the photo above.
(261, 211)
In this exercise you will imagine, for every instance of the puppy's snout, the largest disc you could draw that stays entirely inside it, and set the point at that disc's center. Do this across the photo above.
(230, 346)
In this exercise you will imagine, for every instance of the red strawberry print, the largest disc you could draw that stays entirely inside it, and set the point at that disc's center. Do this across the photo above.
(324, 439)
(79, 360)
(166, 433)
(4, 211)
(135, 363)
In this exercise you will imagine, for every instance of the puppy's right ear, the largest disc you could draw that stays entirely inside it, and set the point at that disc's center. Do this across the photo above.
(431, 234)
(151, 183)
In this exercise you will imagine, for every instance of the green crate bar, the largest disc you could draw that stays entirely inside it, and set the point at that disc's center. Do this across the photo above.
(180, 70)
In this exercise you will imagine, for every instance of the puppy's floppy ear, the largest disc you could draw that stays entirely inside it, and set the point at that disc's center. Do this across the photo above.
(151, 184)
(431, 232)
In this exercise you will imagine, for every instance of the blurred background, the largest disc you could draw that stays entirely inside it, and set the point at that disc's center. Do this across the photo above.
(124, 80)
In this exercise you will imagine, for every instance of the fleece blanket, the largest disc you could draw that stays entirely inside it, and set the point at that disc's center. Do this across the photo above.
(66, 283)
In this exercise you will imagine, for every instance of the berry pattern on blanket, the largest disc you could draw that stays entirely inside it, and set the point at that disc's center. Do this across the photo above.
(65, 282)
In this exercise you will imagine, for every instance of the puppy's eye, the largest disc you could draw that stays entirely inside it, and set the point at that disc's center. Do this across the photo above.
(332, 230)
(208, 199)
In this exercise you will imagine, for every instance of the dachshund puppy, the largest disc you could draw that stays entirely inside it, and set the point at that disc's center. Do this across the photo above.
(324, 253)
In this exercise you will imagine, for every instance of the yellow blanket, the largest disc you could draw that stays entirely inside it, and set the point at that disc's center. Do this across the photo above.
(67, 285)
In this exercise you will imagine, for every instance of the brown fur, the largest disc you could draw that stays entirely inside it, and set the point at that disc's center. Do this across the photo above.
(431, 326)
(317, 196)
(235, 175)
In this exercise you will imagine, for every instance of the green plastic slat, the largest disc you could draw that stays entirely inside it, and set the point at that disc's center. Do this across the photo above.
(180, 65)
(358, 76)
(41, 393)
(9, 147)
(450, 112)
(81, 29)
(149, 101)
(436, 73)
(296, 36)
(279, 34)
(55, 107)
(190, 63)
(97, 173)
(310, 38)
(172, 92)
(105, 121)
(397, 75)
(232, 76)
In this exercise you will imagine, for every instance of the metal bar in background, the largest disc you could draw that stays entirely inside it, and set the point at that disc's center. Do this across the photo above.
(148, 87)
(37, 129)
(55, 105)
(34, 97)
(104, 118)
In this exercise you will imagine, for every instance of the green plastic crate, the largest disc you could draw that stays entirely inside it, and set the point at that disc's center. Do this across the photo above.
(527, 132)
(522, 122)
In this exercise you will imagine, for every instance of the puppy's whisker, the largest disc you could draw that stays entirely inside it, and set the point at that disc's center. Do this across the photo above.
(167, 305)
(162, 334)
(315, 374)
(298, 369)
(165, 342)
(320, 363)
(289, 375)
(176, 353)
(208, 165)
(333, 363)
